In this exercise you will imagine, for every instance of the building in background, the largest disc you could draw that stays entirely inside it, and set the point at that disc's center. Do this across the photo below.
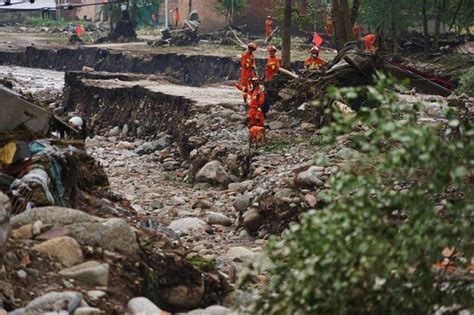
(18, 11)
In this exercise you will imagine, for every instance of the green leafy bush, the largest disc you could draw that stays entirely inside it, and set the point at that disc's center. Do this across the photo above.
(372, 249)
(466, 83)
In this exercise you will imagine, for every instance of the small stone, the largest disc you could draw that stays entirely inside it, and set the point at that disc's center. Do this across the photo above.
(91, 273)
(157, 204)
(216, 218)
(310, 177)
(178, 201)
(114, 132)
(65, 249)
(239, 253)
(187, 225)
(202, 204)
(21, 273)
(24, 232)
(311, 200)
(347, 153)
(242, 202)
(95, 294)
(87, 311)
(143, 306)
(213, 173)
(252, 220)
(126, 145)
(37, 226)
(275, 125)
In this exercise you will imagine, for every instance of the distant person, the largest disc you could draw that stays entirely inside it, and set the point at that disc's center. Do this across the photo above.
(273, 63)
(177, 16)
(313, 62)
(328, 27)
(255, 115)
(268, 26)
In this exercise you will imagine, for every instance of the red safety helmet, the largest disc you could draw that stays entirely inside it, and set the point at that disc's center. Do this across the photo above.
(314, 50)
(252, 46)
(272, 49)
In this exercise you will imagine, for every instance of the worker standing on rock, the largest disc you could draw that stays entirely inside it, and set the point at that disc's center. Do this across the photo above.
(268, 26)
(313, 61)
(247, 69)
(255, 115)
(273, 63)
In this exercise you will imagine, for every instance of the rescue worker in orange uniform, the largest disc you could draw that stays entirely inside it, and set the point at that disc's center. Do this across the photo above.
(247, 69)
(273, 63)
(268, 26)
(369, 42)
(255, 115)
(328, 27)
(313, 61)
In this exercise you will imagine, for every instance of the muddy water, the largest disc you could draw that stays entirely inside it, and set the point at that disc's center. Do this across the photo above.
(31, 79)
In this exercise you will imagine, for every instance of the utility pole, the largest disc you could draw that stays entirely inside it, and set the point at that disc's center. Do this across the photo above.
(166, 14)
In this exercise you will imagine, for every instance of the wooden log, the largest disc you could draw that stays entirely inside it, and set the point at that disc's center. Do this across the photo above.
(287, 72)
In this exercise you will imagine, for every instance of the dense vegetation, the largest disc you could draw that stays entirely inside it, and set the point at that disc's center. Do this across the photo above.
(395, 236)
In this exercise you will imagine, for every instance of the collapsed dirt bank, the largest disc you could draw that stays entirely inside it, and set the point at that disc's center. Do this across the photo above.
(189, 70)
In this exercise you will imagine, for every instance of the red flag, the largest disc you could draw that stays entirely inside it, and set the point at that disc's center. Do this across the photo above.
(317, 40)
(79, 30)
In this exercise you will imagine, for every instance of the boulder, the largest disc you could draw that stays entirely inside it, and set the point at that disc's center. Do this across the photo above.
(5, 225)
(65, 249)
(242, 202)
(185, 297)
(24, 232)
(91, 273)
(219, 219)
(52, 302)
(214, 173)
(52, 216)
(87, 311)
(347, 153)
(239, 254)
(112, 234)
(310, 177)
(188, 225)
(152, 146)
(143, 306)
(252, 220)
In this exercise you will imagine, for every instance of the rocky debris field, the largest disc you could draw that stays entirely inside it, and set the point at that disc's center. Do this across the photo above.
(189, 205)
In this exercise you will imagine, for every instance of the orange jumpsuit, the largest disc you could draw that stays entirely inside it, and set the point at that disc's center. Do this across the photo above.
(328, 27)
(268, 28)
(313, 62)
(247, 64)
(273, 64)
(255, 114)
(369, 41)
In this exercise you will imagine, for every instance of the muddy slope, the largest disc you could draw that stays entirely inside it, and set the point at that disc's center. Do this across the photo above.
(190, 70)
(145, 112)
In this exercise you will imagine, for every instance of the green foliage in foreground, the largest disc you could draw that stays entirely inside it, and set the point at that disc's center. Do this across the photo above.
(466, 83)
(372, 249)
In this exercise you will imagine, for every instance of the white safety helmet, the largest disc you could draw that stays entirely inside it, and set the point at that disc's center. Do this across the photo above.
(76, 121)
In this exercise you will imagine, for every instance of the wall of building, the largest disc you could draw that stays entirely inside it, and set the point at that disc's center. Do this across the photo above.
(90, 11)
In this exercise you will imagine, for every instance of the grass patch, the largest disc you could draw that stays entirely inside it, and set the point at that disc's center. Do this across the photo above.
(35, 21)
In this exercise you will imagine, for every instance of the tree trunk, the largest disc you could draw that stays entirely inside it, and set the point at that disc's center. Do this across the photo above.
(342, 22)
(190, 4)
(426, 35)
(455, 14)
(439, 15)
(286, 39)
(355, 11)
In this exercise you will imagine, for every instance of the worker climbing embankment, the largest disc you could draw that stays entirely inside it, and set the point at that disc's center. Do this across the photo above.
(247, 69)
(273, 63)
(313, 61)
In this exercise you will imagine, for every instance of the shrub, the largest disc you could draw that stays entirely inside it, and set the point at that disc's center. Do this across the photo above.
(466, 83)
(373, 249)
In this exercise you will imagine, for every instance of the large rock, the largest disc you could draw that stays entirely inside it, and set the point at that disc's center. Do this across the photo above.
(239, 254)
(91, 273)
(88, 311)
(5, 226)
(24, 232)
(143, 306)
(242, 202)
(310, 177)
(113, 234)
(65, 249)
(219, 219)
(214, 173)
(347, 153)
(52, 216)
(153, 146)
(212, 310)
(188, 225)
(52, 302)
(252, 220)
(183, 296)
